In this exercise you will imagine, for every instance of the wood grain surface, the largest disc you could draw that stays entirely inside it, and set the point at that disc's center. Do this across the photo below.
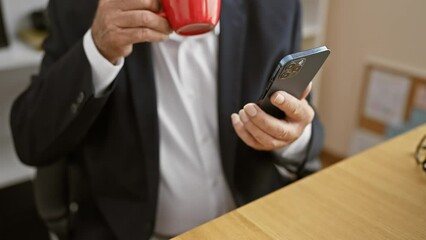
(377, 194)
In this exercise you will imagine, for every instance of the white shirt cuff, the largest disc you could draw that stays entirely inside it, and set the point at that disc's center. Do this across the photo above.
(103, 71)
(296, 151)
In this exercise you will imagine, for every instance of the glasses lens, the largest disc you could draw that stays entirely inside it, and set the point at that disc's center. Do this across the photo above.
(421, 151)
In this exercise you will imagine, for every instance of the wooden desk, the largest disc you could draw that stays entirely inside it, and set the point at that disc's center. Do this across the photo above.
(378, 194)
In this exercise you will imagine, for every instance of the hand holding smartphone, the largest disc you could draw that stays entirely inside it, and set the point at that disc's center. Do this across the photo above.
(292, 75)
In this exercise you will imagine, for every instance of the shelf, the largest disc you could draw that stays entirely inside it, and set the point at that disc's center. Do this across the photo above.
(18, 55)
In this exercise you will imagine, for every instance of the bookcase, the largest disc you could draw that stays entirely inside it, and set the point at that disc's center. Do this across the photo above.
(17, 63)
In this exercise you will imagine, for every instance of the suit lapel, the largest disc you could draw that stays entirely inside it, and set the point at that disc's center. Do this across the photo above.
(141, 76)
(231, 49)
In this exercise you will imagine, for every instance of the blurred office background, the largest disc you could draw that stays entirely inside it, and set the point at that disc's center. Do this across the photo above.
(372, 87)
(18, 60)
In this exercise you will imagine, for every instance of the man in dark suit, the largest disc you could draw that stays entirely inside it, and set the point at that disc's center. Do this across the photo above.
(115, 96)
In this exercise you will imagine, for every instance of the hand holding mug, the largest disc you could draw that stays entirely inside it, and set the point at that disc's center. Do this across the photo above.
(119, 24)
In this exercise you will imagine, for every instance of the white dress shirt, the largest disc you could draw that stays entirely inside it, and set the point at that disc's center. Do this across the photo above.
(192, 187)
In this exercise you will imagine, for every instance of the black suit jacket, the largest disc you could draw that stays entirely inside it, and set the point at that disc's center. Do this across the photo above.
(115, 138)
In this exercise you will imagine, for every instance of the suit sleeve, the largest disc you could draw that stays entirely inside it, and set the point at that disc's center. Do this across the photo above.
(52, 116)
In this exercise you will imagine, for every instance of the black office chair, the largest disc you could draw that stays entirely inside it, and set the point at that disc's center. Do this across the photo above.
(57, 189)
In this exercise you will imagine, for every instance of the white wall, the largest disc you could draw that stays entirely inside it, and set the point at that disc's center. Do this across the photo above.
(17, 63)
(391, 30)
(12, 83)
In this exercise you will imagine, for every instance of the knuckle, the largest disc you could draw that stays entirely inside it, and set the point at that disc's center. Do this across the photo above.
(275, 144)
(149, 4)
(260, 121)
(144, 18)
(282, 133)
(294, 110)
(257, 136)
(142, 33)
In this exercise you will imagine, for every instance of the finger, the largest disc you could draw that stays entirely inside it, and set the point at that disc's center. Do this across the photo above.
(143, 18)
(295, 109)
(276, 128)
(152, 5)
(264, 139)
(242, 132)
(307, 91)
(139, 35)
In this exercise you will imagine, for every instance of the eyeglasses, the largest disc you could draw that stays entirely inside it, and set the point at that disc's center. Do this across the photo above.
(421, 153)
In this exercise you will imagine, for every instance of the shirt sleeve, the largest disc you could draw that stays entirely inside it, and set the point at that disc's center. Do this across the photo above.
(296, 151)
(103, 71)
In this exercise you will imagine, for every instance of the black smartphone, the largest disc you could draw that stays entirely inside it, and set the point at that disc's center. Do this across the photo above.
(292, 75)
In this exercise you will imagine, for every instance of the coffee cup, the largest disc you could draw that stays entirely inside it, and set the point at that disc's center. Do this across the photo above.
(191, 17)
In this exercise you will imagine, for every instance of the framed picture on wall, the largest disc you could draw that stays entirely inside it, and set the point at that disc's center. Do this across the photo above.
(393, 101)
(3, 36)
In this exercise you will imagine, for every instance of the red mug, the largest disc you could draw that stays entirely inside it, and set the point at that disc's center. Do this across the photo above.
(191, 17)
